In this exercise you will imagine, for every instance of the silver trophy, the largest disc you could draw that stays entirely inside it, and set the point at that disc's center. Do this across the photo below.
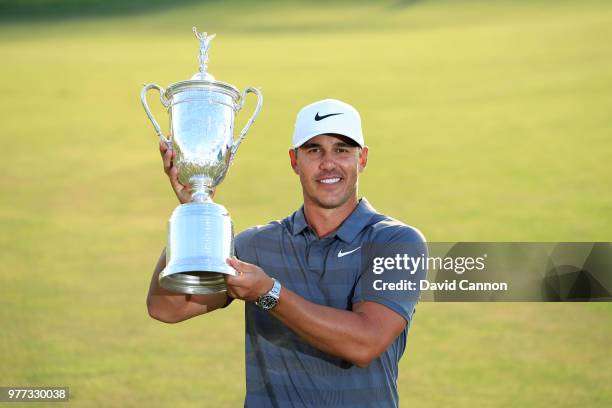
(200, 233)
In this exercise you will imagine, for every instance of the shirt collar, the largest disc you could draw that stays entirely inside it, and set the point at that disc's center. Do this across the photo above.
(299, 221)
(350, 227)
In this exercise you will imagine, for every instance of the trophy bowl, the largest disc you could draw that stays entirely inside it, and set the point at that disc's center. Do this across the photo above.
(200, 233)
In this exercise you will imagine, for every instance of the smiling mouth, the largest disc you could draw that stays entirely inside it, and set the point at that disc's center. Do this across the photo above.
(330, 180)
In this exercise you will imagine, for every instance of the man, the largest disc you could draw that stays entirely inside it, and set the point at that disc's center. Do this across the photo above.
(316, 334)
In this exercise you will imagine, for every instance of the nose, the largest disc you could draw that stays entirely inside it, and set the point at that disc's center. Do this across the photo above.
(327, 163)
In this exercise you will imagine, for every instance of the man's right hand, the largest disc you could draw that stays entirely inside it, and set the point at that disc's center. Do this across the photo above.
(182, 192)
(172, 307)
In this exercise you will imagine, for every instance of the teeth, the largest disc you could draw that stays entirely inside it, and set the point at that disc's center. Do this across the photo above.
(330, 180)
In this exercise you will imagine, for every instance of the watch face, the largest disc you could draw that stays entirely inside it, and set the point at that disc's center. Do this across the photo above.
(268, 302)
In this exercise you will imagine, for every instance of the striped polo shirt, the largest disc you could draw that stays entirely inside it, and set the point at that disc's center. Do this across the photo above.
(282, 369)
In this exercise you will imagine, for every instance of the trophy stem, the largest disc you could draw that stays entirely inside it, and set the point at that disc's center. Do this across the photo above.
(201, 190)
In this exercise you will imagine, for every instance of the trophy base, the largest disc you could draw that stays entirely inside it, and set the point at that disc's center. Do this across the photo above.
(200, 239)
(194, 283)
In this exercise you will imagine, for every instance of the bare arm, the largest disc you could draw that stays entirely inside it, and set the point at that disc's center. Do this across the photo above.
(359, 335)
(171, 307)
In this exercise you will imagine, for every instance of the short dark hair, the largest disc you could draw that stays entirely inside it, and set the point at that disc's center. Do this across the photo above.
(345, 139)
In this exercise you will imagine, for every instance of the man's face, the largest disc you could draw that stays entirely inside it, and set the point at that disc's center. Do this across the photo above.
(329, 168)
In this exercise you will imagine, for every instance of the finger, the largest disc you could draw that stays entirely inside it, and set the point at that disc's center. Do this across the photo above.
(235, 263)
(162, 147)
(174, 181)
(229, 262)
(167, 158)
(231, 289)
(230, 292)
(239, 265)
(232, 280)
(237, 282)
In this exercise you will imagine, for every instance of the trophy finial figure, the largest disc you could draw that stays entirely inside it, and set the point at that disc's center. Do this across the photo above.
(205, 40)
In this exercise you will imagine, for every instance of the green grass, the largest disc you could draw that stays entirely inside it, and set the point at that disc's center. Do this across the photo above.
(486, 121)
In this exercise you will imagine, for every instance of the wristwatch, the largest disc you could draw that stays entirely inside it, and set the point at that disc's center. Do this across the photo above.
(269, 300)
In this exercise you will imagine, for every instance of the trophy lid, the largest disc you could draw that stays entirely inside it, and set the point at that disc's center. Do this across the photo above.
(203, 79)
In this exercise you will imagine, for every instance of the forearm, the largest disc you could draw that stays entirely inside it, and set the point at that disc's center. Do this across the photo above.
(161, 302)
(342, 333)
(172, 307)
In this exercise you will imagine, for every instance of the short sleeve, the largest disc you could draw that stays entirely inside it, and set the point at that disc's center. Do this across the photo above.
(243, 245)
(392, 267)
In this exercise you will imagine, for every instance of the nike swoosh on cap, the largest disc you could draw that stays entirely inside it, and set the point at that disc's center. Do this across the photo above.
(318, 118)
(341, 254)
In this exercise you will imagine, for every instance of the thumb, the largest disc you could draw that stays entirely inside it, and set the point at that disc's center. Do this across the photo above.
(238, 265)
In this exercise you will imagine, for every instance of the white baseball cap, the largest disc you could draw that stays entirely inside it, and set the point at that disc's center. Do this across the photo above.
(327, 116)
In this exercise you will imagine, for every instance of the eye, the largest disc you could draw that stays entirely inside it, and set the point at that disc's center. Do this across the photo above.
(342, 150)
(313, 150)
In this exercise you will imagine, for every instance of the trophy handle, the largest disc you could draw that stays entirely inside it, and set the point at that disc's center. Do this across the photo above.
(164, 102)
(251, 120)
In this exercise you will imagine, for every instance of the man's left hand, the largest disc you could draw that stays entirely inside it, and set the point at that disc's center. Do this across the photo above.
(250, 283)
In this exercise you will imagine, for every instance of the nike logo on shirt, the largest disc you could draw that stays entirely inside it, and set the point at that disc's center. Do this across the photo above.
(341, 254)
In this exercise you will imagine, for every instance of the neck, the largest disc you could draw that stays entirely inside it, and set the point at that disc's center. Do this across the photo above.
(324, 221)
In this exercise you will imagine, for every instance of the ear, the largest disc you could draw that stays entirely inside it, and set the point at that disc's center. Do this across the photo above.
(293, 159)
(363, 158)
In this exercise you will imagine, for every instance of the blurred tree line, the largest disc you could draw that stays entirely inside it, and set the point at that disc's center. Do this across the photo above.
(50, 9)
